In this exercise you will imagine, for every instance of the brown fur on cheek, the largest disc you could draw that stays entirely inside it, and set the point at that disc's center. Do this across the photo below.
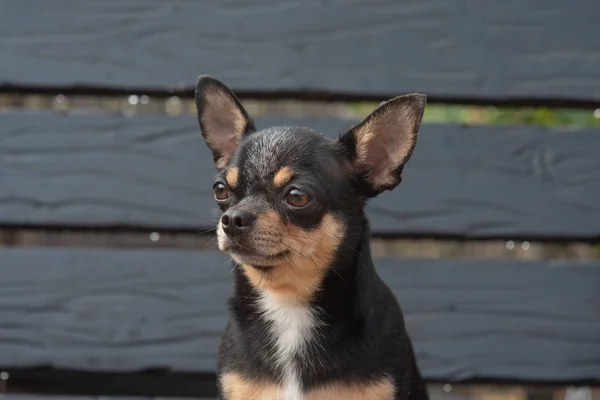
(236, 387)
(300, 274)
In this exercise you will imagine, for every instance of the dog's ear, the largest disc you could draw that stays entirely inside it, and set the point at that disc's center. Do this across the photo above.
(382, 143)
(223, 120)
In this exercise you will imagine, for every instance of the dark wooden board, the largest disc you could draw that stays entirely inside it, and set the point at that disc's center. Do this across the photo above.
(156, 383)
(155, 172)
(461, 392)
(511, 49)
(126, 310)
(62, 397)
(67, 397)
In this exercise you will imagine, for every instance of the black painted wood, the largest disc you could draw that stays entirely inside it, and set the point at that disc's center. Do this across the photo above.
(67, 397)
(59, 397)
(511, 49)
(63, 397)
(126, 310)
(435, 393)
(155, 172)
(157, 383)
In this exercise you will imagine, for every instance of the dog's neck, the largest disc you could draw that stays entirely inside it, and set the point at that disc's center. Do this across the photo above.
(292, 334)
(350, 275)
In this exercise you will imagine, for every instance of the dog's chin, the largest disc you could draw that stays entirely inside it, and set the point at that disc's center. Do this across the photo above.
(261, 262)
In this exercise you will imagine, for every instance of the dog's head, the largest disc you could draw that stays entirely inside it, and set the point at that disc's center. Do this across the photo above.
(288, 193)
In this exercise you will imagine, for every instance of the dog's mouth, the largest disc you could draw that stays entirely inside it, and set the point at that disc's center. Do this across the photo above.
(263, 268)
(262, 262)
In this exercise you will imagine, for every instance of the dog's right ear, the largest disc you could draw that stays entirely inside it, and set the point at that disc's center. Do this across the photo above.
(223, 120)
(382, 143)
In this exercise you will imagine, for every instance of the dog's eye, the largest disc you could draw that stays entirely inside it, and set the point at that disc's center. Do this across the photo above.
(221, 192)
(297, 198)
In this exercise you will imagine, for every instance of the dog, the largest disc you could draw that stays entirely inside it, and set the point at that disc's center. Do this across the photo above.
(309, 317)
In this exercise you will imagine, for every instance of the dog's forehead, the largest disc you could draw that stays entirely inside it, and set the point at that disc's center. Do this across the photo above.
(267, 151)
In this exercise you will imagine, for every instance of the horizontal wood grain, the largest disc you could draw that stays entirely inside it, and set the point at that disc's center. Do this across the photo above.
(446, 48)
(50, 382)
(436, 392)
(155, 172)
(63, 397)
(59, 397)
(131, 310)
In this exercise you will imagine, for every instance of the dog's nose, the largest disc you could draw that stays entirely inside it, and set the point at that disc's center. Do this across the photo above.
(236, 222)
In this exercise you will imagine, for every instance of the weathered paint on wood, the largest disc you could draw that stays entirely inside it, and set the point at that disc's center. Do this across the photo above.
(67, 397)
(459, 392)
(149, 384)
(152, 171)
(531, 49)
(125, 310)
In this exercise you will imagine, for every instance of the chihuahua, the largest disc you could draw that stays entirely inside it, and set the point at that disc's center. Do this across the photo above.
(309, 317)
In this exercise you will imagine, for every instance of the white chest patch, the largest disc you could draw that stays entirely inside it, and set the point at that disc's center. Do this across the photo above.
(292, 326)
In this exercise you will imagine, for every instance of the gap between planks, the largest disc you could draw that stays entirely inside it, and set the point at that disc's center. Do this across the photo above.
(173, 105)
(306, 95)
(419, 248)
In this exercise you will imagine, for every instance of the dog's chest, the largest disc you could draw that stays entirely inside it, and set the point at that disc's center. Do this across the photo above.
(291, 328)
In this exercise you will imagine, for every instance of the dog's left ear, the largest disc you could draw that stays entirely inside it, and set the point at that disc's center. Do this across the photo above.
(223, 120)
(382, 143)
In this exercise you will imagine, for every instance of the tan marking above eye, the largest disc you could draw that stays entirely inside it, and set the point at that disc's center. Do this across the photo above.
(283, 176)
(232, 177)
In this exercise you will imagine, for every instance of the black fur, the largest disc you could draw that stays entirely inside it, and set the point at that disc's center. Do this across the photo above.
(364, 337)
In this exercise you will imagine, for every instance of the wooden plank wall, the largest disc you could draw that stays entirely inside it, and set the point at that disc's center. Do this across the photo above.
(128, 310)
(477, 182)
(146, 322)
(437, 392)
(533, 52)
